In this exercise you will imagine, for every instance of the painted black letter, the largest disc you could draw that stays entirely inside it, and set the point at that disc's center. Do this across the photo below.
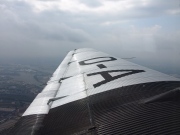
(107, 77)
(98, 60)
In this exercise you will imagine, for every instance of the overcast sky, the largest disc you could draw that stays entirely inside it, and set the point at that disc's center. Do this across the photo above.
(146, 29)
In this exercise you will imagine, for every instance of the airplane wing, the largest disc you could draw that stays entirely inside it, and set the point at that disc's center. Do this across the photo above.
(92, 92)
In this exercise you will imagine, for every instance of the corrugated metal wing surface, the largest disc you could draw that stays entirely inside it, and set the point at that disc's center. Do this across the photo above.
(92, 92)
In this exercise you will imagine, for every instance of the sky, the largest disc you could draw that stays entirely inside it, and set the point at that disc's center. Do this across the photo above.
(146, 29)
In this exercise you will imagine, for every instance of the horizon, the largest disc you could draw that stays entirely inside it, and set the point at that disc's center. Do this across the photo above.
(42, 30)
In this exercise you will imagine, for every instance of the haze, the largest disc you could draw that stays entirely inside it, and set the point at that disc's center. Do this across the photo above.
(47, 29)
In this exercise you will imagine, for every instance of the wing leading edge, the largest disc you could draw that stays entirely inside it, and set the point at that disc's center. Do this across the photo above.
(92, 92)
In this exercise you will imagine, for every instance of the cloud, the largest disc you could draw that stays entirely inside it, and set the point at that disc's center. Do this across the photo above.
(49, 28)
(124, 8)
(91, 3)
(38, 26)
